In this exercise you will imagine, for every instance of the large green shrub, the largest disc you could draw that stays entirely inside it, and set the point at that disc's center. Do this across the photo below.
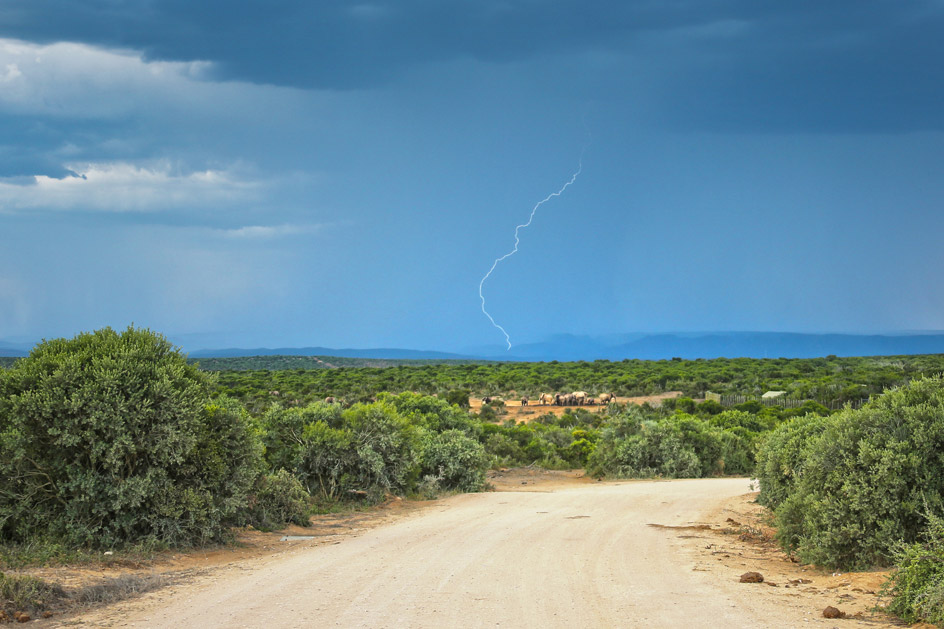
(387, 448)
(630, 448)
(868, 479)
(368, 448)
(108, 439)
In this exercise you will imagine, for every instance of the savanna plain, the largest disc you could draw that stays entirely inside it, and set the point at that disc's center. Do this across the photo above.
(140, 488)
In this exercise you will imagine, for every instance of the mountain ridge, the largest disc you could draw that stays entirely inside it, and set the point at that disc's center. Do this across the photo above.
(565, 347)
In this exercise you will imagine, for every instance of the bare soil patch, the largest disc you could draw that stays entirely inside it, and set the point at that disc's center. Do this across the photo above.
(513, 408)
(737, 538)
(536, 479)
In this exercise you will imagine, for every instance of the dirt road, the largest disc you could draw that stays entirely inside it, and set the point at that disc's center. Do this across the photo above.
(576, 556)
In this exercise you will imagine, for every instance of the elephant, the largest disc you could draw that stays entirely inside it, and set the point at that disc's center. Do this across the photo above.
(606, 398)
(524, 400)
(487, 399)
(568, 399)
(546, 398)
(558, 399)
(330, 400)
(591, 401)
(580, 397)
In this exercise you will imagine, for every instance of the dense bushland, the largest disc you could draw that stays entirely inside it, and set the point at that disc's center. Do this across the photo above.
(831, 381)
(638, 444)
(378, 448)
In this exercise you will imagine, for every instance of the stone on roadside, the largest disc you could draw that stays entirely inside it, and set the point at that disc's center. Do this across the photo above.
(752, 577)
(832, 612)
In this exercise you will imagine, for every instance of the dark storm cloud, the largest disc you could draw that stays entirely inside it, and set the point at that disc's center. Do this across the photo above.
(335, 44)
(863, 65)
(820, 67)
(38, 146)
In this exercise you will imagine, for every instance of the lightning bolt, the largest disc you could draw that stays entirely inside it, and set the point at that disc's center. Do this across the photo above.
(534, 210)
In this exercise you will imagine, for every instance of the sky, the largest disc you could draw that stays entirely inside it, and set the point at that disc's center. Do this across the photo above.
(343, 174)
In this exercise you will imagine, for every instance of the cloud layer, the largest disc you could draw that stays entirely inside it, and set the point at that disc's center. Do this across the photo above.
(744, 63)
(121, 187)
(344, 173)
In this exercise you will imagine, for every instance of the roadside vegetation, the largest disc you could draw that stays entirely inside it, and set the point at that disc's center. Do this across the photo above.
(115, 441)
(865, 487)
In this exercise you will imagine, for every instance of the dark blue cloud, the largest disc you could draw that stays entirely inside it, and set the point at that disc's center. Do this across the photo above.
(335, 44)
(860, 65)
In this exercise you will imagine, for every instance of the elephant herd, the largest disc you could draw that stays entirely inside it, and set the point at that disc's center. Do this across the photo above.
(577, 398)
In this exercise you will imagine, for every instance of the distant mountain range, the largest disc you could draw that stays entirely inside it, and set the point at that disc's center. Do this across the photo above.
(728, 345)
(388, 353)
(566, 347)
(14, 350)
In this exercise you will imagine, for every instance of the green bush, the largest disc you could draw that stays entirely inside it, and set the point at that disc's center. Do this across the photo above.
(284, 429)
(916, 587)
(637, 442)
(504, 450)
(433, 413)
(457, 460)
(107, 439)
(867, 479)
(368, 449)
(709, 407)
(782, 456)
(459, 397)
(704, 441)
(277, 500)
(629, 448)
(742, 419)
(326, 461)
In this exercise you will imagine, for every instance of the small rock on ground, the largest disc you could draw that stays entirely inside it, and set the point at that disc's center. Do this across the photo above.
(832, 612)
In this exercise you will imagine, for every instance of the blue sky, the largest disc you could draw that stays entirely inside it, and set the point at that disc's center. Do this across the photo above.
(343, 174)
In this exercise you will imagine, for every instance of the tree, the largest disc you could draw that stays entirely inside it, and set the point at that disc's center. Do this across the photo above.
(459, 397)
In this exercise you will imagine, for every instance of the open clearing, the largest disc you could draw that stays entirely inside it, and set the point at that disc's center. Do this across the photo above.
(523, 414)
(545, 550)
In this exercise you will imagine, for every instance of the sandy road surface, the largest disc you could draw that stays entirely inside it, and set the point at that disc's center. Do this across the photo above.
(581, 556)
